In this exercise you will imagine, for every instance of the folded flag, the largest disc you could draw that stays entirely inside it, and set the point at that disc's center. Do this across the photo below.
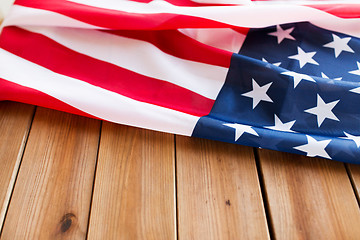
(275, 75)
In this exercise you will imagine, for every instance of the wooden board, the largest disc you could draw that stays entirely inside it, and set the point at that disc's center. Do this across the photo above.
(52, 195)
(309, 198)
(134, 193)
(15, 120)
(218, 191)
(354, 170)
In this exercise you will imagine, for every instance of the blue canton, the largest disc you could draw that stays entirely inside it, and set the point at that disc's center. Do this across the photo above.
(292, 88)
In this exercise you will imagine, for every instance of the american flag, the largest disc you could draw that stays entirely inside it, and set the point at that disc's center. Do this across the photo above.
(276, 75)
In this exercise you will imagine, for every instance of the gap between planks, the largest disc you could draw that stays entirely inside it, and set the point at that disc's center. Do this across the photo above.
(264, 194)
(15, 125)
(176, 193)
(92, 190)
(353, 171)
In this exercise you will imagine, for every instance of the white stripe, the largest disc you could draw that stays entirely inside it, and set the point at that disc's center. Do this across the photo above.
(223, 38)
(93, 100)
(19, 15)
(251, 15)
(141, 57)
(4, 7)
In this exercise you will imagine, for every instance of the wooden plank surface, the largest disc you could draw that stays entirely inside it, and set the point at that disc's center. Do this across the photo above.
(52, 195)
(218, 191)
(354, 170)
(15, 120)
(309, 198)
(134, 193)
(134, 197)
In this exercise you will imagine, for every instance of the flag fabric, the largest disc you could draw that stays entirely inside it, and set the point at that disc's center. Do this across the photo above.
(276, 75)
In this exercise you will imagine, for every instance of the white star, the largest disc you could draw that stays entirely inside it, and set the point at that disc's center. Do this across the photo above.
(356, 72)
(298, 77)
(258, 93)
(339, 45)
(240, 129)
(304, 57)
(276, 64)
(280, 126)
(281, 34)
(324, 76)
(314, 148)
(356, 139)
(355, 90)
(323, 110)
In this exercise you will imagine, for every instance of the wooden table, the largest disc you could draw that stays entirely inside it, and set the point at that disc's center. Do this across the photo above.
(69, 177)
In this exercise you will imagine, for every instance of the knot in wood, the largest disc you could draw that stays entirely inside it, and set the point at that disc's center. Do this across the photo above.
(66, 222)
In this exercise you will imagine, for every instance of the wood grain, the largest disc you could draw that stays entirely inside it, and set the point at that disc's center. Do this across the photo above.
(218, 191)
(355, 178)
(134, 193)
(15, 120)
(52, 195)
(309, 198)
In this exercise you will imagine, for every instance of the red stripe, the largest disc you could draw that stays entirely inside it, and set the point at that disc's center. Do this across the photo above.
(340, 10)
(114, 19)
(14, 92)
(51, 55)
(242, 30)
(177, 44)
